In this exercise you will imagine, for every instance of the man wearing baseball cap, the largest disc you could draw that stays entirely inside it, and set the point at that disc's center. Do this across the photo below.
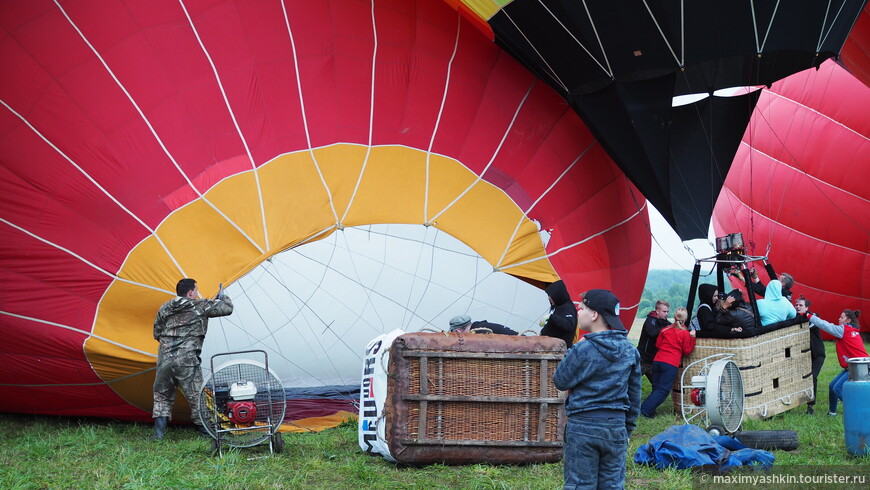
(602, 376)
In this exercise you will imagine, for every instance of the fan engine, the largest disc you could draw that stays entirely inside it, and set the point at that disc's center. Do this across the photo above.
(242, 410)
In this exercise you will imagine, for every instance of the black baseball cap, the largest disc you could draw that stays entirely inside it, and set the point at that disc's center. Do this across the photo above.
(606, 304)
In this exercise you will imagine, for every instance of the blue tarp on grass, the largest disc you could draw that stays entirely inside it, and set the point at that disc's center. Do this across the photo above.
(687, 446)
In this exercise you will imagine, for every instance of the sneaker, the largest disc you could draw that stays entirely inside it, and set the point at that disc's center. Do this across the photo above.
(832, 414)
(811, 411)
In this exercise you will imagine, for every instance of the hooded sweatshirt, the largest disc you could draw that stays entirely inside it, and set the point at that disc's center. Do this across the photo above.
(774, 307)
(562, 323)
(602, 372)
(706, 309)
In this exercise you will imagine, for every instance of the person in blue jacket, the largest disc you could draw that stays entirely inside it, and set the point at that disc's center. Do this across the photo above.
(774, 307)
(601, 373)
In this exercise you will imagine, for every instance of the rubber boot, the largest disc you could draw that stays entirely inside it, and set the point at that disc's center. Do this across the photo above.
(160, 424)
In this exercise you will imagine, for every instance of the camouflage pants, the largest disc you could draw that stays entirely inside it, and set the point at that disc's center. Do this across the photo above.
(169, 376)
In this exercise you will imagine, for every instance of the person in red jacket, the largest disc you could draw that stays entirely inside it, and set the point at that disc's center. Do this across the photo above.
(849, 344)
(673, 343)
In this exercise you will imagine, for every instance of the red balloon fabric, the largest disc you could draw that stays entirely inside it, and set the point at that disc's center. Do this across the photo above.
(798, 186)
(855, 55)
(144, 141)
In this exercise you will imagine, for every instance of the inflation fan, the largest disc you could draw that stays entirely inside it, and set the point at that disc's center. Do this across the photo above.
(242, 403)
(716, 394)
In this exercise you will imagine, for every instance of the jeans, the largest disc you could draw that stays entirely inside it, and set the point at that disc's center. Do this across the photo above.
(663, 382)
(835, 390)
(595, 450)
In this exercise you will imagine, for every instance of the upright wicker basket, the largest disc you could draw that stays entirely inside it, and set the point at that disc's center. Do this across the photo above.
(776, 368)
(470, 398)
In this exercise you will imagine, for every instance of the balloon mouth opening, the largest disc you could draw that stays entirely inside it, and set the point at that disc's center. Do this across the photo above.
(313, 308)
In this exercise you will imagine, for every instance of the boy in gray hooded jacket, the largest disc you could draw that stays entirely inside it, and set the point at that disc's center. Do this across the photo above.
(602, 376)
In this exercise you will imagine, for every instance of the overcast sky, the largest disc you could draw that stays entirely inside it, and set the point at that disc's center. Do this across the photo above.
(668, 252)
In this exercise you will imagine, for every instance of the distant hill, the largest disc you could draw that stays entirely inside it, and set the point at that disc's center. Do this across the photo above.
(671, 286)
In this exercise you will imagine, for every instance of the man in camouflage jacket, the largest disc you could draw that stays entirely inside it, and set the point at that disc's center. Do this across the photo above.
(180, 327)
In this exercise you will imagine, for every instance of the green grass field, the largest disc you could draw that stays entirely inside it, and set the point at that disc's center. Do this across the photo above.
(57, 452)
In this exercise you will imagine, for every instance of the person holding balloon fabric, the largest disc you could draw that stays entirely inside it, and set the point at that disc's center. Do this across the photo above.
(180, 327)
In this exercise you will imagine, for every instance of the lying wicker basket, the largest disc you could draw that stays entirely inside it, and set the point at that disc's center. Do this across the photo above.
(472, 398)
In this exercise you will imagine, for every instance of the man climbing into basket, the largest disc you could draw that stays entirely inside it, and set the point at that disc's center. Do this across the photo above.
(602, 375)
(758, 287)
(180, 327)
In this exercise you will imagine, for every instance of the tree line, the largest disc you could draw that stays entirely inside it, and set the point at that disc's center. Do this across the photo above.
(669, 285)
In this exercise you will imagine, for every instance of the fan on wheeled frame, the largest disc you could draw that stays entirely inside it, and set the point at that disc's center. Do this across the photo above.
(716, 394)
(242, 403)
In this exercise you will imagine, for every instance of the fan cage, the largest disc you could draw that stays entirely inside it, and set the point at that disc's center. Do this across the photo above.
(725, 395)
(215, 403)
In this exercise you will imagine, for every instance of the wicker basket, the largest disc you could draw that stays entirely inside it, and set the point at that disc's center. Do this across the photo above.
(776, 368)
(470, 398)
